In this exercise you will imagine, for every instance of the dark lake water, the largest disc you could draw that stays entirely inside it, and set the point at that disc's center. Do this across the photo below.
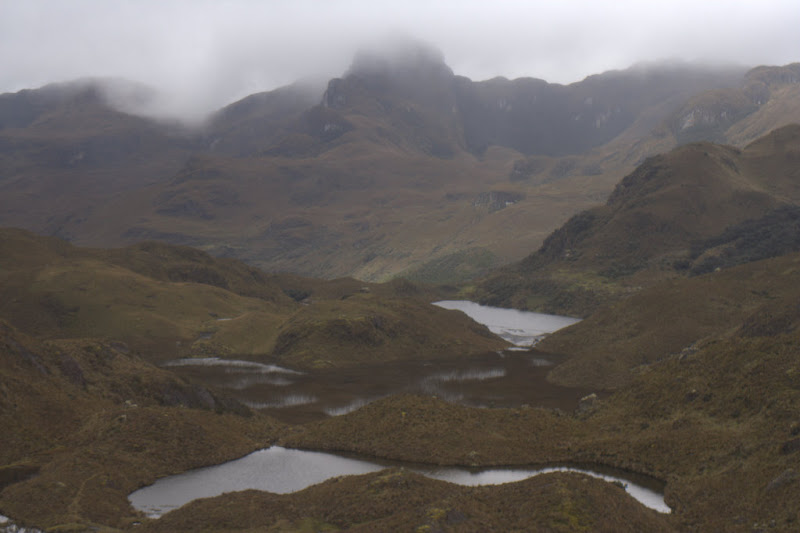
(511, 378)
(282, 471)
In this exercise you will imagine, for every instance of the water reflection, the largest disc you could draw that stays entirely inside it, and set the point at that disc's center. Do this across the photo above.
(489, 380)
(521, 328)
(509, 379)
(348, 408)
(7, 525)
(231, 364)
(246, 381)
(280, 470)
(469, 374)
(289, 400)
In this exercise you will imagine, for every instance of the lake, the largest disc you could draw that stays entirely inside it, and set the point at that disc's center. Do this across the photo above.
(506, 379)
(521, 328)
(281, 470)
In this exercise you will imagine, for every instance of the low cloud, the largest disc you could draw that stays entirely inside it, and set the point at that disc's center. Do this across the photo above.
(204, 54)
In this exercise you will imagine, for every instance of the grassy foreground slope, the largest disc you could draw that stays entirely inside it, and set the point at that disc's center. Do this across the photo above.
(167, 301)
(718, 422)
(86, 422)
(618, 341)
(709, 404)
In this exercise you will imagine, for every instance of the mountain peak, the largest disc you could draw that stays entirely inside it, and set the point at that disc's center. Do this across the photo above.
(399, 56)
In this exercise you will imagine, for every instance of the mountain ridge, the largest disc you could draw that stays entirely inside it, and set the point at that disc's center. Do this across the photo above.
(665, 219)
(383, 173)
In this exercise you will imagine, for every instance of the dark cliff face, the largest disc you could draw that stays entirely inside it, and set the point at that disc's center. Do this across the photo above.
(408, 74)
(707, 115)
(528, 115)
(411, 89)
(535, 117)
(249, 126)
(411, 86)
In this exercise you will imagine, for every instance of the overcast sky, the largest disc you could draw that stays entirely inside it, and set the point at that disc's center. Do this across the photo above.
(209, 53)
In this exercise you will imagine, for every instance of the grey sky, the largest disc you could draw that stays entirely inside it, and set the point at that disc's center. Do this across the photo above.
(209, 53)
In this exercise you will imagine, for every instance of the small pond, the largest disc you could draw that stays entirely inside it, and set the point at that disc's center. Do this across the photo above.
(280, 470)
(521, 328)
(507, 379)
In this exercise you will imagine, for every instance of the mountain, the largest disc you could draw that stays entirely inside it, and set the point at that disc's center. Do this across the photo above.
(396, 168)
(695, 370)
(739, 114)
(691, 210)
(65, 147)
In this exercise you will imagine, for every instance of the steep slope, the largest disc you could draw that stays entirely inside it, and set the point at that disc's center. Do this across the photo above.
(537, 118)
(394, 135)
(662, 220)
(250, 126)
(738, 115)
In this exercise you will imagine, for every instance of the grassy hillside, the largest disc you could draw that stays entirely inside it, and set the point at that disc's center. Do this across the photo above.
(397, 500)
(86, 422)
(168, 301)
(618, 341)
(706, 399)
(716, 421)
(670, 217)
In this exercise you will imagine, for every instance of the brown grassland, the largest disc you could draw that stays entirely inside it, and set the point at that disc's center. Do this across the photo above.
(712, 413)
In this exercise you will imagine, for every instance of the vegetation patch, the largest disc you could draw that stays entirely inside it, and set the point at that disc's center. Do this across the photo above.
(454, 268)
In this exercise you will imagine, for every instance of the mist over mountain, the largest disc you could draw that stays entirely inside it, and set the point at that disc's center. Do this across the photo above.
(400, 162)
(203, 57)
(158, 311)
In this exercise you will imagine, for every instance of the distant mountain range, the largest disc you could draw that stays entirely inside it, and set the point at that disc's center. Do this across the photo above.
(400, 167)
